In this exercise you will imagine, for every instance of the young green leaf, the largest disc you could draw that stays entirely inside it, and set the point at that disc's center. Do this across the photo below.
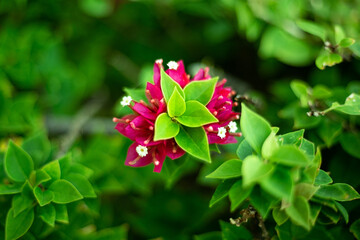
(329, 131)
(238, 194)
(201, 91)
(41, 176)
(308, 148)
(194, 141)
(327, 59)
(323, 178)
(18, 164)
(292, 138)
(339, 34)
(221, 191)
(254, 128)
(300, 89)
(176, 105)
(312, 28)
(299, 212)
(23, 201)
(196, 115)
(346, 42)
(270, 145)
(165, 128)
(337, 192)
(43, 197)
(64, 192)
(321, 92)
(53, 170)
(351, 105)
(229, 169)
(254, 169)
(16, 227)
(168, 85)
(343, 211)
(38, 147)
(306, 190)
(48, 214)
(279, 184)
(10, 189)
(262, 201)
(289, 155)
(279, 216)
(81, 184)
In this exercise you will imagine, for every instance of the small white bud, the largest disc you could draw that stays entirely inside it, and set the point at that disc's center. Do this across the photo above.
(126, 101)
(159, 61)
(173, 65)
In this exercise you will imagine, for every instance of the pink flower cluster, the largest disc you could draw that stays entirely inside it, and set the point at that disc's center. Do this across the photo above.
(139, 127)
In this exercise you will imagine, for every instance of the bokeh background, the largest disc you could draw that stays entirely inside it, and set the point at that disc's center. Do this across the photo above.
(64, 66)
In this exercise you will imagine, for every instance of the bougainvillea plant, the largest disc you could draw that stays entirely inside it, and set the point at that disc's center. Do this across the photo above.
(182, 114)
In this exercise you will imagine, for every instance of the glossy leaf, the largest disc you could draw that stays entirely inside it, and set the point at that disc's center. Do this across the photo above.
(346, 42)
(299, 212)
(254, 128)
(81, 184)
(43, 197)
(221, 191)
(53, 170)
(270, 145)
(306, 190)
(279, 216)
(343, 211)
(10, 189)
(238, 194)
(323, 178)
(176, 105)
(254, 170)
(351, 105)
(168, 85)
(308, 148)
(292, 138)
(289, 155)
(329, 131)
(196, 115)
(279, 184)
(48, 214)
(337, 192)
(327, 59)
(312, 28)
(41, 176)
(165, 128)
(229, 169)
(244, 149)
(18, 164)
(201, 91)
(194, 141)
(16, 227)
(23, 201)
(61, 213)
(64, 192)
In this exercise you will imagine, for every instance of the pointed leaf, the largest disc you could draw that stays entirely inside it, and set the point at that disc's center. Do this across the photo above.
(201, 91)
(254, 128)
(53, 169)
(323, 178)
(346, 42)
(61, 213)
(355, 228)
(168, 85)
(351, 105)
(221, 191)
(279, 184)
(18, 164)
(64, 192)
(337, 192)
(244, 149)
(194, 141)
(81, 184)
(43, 197)
(312, 28)
(229, 169)
(10, 189)
(238, 194)
(165, 128)
(196, 115)
(23, 201)
(299, 212)
(289, 155)
(48, 214)
(176, 105)
(16, 227)
(254, 170)
(279, 216)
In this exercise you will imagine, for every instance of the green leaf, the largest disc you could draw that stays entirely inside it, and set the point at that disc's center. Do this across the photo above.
(308, 148)
(337, 192)
(339, 34)
(321, 92)
(254, 128)
(350, 142)
(279, 184)
(41, 176)
(306, 190)
(194, 141)
(221, 191)
(351, 105)
(254, 170)
(244, 149)
(61, 213)
(81, 184)
(53, 169)
(48, 214)
(312, 28)
(270, 145)
(38, 147)
(201, 91)
(64, 192)
(43, 197)
(233, 232)
(355, 48)
(23, 201)
(229, 169)
(323, 178)
(299, 212)
(300, 88)
(16, 227)
(343, 212)
(135, 94)
(279, 216)
(289, 155)
(346, 42)
(18, 164)
(261, 201)
(292, 138)
(176, 105)
(168, 85)
(327, 59)
(355, 228)
(165, 128)
(329, 130)
(214, 148)
(10, 189)
(238, 194)
(196, 115)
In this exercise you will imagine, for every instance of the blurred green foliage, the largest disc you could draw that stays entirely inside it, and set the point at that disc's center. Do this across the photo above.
(64, 65)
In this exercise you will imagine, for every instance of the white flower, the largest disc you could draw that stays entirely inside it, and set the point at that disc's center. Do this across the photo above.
(232, 126)
(173, 65)
(221, 132)
(141, 150)
(159, 61)
(126, 101)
